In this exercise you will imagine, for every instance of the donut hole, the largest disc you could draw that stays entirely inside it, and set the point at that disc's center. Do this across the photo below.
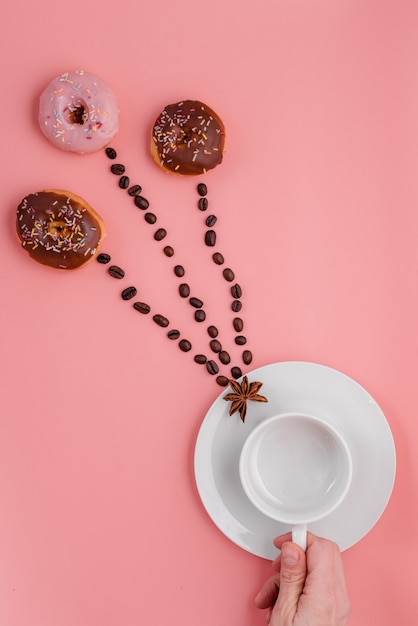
(187, 136)
(77, 113)
(58, 229)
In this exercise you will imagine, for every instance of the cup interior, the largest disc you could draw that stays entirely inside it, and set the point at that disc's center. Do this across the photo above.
(295, 468)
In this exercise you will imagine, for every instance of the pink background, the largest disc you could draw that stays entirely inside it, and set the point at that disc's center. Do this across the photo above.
(100, 520)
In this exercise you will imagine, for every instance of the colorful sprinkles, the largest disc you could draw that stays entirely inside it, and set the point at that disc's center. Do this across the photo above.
(188, 138)
(57, 229)
(78, 112)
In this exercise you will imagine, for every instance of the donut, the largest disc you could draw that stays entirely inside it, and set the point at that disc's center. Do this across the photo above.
(59, 229)
(188, 138)
(78, 112)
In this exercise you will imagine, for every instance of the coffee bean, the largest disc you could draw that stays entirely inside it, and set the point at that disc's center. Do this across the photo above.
(128, 293)
(196, 303)
(247, 357)
(222, 381)
(111, 153)
(179, 271)
(202, 190)
(117, 168)
(236, 291)
(160, 234)
(200, 358)
(142, 307)
(124, 182)
(212, 331)
(150, 218)
(224, 357)
(135, 190)
(228, 274)
(215, 346)
(210, 238)
(240, 340)
(103, 258)
(168, 251)
(236, 306)
(116, 272)
(141, 202)
(236, 372)
(203, 204)
(185, 345)
(218, 258)
(200, 315)
(212, 367)
(211, 221)
(173, 334)
(184, 290)
(161, 320)
(238, 324)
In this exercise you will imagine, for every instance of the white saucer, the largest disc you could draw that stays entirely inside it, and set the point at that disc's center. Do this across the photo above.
(308, 388)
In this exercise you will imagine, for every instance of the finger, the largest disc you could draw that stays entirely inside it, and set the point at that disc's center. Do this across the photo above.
(323, 556)
(281, 539)
(268, 593)
(292, 581)
(276, 563)
(325, 571)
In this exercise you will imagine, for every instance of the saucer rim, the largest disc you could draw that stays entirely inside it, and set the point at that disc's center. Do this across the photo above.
(375, 457)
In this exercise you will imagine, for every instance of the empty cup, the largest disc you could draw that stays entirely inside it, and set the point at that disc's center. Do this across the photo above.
(296, 469)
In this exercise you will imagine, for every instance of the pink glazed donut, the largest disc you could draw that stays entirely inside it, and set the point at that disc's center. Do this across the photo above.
(78, 112)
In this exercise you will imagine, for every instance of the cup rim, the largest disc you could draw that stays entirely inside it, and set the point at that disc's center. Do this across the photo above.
(243, 460)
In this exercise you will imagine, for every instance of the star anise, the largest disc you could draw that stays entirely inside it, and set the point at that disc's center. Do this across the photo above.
(241, 393)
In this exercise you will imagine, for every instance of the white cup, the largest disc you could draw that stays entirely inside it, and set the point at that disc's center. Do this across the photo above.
(296, 469)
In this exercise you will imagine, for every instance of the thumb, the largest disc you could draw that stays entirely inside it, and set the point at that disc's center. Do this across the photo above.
(292, 581)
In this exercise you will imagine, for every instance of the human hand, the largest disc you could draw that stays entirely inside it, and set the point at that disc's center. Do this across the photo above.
(307, 589)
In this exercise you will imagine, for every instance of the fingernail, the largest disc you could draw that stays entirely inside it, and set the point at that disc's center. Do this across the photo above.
(290, 554)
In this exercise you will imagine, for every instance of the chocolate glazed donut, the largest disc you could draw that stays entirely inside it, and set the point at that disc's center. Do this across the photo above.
(59, 229)
(188, 138)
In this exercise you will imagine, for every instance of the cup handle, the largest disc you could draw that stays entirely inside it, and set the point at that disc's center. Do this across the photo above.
(299, 535)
